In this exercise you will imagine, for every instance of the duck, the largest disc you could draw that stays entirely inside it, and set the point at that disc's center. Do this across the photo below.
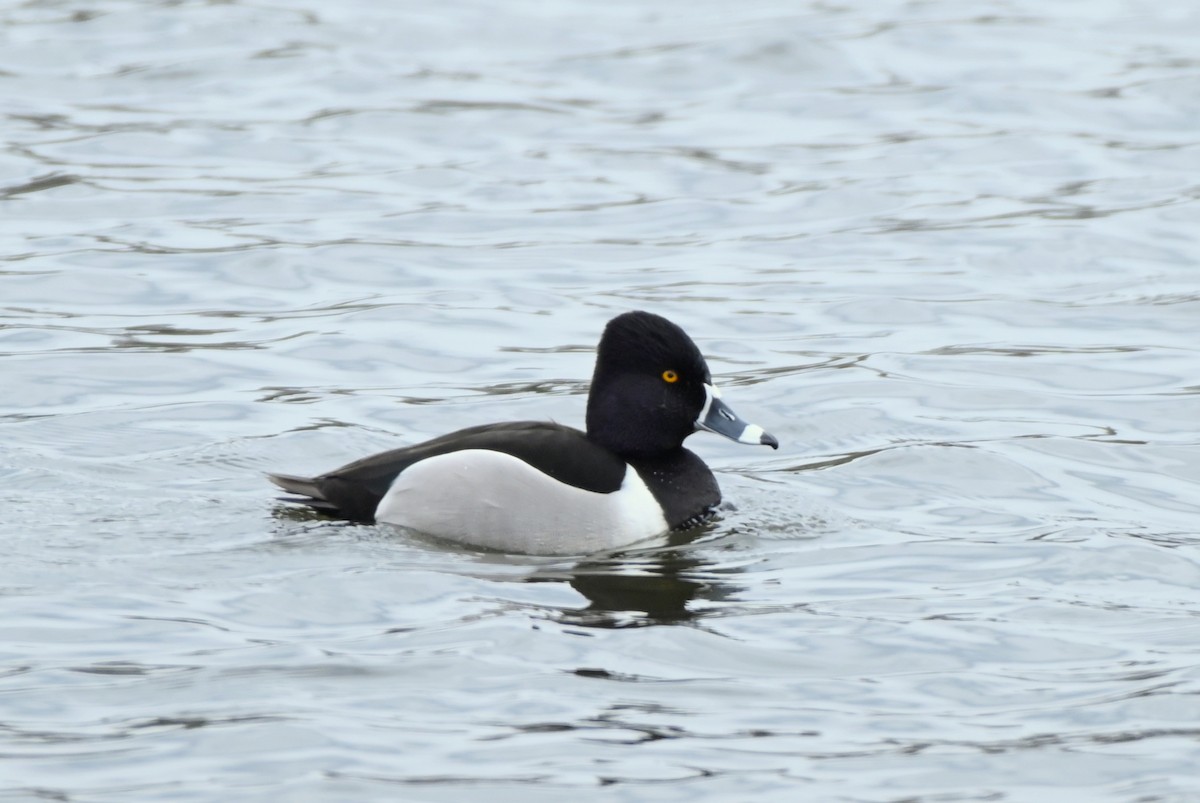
(543, 488)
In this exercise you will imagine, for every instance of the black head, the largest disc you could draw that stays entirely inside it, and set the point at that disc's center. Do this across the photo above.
(648, 388)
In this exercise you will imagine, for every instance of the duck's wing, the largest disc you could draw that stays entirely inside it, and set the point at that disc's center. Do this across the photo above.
(355, 490)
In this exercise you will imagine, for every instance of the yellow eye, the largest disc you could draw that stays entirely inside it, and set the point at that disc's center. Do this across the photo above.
(670, 376)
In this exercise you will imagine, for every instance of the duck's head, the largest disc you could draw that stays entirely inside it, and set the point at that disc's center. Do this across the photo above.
(652, 389)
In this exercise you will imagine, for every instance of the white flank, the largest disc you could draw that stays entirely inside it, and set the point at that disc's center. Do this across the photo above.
(496, 501)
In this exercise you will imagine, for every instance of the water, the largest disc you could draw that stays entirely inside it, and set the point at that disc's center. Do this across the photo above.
(945, 251)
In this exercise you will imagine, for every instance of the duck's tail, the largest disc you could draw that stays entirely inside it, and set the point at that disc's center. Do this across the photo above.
(302, 486)
(307, 488)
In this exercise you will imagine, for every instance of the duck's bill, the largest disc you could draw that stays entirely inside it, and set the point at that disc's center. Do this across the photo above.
(717, 417)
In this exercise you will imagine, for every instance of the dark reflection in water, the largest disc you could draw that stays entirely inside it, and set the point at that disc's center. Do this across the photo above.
(639, 589)
(674, 584)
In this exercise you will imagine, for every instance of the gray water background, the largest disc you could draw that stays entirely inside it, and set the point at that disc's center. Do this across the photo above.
(945, 251)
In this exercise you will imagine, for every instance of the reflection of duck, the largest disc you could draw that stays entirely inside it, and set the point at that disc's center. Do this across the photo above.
(646, 588)
(546, 489)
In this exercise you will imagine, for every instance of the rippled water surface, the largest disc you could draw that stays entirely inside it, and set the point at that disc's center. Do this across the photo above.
(945, 251)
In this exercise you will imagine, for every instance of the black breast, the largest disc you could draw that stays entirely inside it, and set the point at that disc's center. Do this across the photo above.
(683, 485)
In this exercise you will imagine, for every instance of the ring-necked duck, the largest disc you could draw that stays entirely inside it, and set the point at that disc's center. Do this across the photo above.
(540, 488)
